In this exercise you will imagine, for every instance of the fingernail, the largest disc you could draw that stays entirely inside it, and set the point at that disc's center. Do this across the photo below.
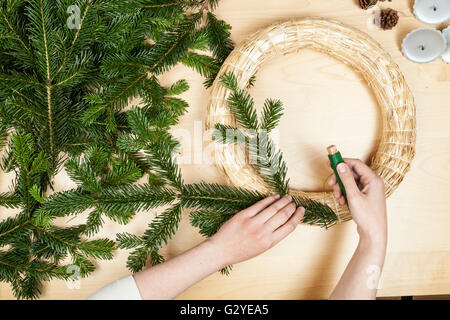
(277, 196)
(302, 210)
(342, 167)
(289, 197)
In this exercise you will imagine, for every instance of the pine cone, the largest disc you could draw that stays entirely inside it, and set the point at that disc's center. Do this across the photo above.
(365, 4)
(388, 19)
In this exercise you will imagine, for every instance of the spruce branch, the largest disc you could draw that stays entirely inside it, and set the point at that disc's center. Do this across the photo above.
(209, 222)
(218, 32)
(205, 65)
(241, 104)
(159, 231)
(83, 174)
(269, 162)
(122, 172)
(227, 134)
(68, 202)
(171, 48)
(272, 113)
(135, 198)
(217, 197)
(316, 213)
(10, 200)
(13, 227)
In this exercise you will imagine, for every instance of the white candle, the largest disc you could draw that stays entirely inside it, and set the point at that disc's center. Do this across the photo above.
(446, 54)
(424, 45)
(432, 11)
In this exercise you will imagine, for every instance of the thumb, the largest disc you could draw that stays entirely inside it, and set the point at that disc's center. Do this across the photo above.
(348, 180)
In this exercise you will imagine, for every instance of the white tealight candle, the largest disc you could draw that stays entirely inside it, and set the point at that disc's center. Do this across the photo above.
(446, 54)
(424, 45)
(432, 11)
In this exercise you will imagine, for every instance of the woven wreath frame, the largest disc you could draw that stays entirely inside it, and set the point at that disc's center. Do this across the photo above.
(396, 149)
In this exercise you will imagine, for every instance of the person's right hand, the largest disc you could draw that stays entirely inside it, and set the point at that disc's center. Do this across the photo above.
(366, 198)
(256, 229)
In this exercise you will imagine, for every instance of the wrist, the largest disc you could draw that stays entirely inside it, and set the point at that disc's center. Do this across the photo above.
(214, 254)
(373, 241)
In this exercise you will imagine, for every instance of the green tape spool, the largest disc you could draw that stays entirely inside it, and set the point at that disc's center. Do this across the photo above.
(335, 158)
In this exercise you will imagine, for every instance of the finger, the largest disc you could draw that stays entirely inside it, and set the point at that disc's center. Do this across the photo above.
(332, 180)
(260, 205)
(267, 213)
(360, 167)
(348, 180)
(280, 218)
(337, 191)
(290, 225)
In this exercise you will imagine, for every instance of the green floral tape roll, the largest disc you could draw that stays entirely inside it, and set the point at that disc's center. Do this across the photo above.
(335, 158)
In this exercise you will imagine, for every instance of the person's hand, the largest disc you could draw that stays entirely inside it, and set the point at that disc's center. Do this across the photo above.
(366, 198)
(256, 229)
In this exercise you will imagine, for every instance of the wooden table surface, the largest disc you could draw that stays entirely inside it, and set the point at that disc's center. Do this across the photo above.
(326, 103)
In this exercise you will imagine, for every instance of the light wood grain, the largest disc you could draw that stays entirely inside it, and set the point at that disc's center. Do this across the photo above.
(326, 103)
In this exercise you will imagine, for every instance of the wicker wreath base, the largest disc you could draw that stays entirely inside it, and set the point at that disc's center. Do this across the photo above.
(397, 146)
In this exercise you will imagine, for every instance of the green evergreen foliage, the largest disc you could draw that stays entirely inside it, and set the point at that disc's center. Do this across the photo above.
(63, 98)
(68, 69)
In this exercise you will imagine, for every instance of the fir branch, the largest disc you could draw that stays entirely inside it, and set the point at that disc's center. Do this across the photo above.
(209, 222)
(122, 173)
(160, 157)
(13, 30)
(138, 258)
(134, 198)
(128, 241)
(269, 161)
(316, 213)
(85, 266)
(116, 97)
(174, 45)
(227, 134)
(218, 32)
(37, 194)
(272, 113)
(241, 104)
(251, 82)
(60, 240)
(65, 94)
(217, 197)
(93, 223)
(162, 227)
(158, 233)
(83, 174)
(17, 82)
(10, 200)
(99, 249)
(13, 227)
(177, 88)
(68, 202)
(121, 217)
(203, 64)
(166, 8)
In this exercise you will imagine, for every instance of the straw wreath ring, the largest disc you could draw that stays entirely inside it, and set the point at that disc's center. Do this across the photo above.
(355, 48)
